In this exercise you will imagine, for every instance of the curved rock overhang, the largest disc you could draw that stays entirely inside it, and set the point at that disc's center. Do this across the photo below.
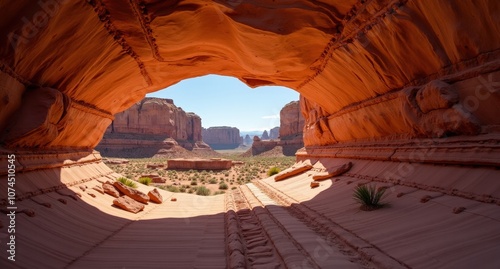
(367, 70)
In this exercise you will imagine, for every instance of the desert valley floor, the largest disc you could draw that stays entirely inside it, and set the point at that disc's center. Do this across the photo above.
(262, 224)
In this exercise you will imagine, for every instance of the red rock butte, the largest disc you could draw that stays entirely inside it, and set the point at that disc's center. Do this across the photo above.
(407, 91)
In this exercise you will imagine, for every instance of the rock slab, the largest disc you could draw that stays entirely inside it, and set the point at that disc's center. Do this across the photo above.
(132, 193)
(128, 204)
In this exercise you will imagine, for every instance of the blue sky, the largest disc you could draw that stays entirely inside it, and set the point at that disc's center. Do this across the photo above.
(226, 101)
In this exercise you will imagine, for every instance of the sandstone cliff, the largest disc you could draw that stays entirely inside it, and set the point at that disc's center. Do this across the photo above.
(150, 127)
(222, 137)
(290, 133)
(274, 133)
(291, 122)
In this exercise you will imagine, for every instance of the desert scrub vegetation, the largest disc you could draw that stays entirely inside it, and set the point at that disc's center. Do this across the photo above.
(273, 171)
(223, 186)
(203, 191)
(369, 197)
(145, 180)
(251, 168)
(127, 182)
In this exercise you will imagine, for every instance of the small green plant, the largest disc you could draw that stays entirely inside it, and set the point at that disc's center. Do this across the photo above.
(145, 180)
(127, 182)
(219, 192)
(194, 183)
(172, 188)
(223, 186)
(203, 191)
(369, 196)
(273, 171)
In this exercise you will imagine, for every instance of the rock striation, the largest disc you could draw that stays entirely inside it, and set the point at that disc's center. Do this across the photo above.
(222, 137)
(151, 127)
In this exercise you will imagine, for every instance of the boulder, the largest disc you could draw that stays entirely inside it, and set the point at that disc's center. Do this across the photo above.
(110, 189)
(155, 196)
(132, 193)
(128, 204)
(336, 171)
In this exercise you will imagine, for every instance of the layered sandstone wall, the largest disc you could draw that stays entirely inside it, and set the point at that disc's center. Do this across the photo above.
(158, 116)
(150, 127)
(291, 122)
(289, 132)
(274, 133)
(354, 62)
(222, 137)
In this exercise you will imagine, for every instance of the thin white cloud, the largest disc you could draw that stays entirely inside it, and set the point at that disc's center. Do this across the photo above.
(277, 116)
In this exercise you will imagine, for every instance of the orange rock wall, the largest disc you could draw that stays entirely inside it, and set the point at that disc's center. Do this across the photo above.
(291, 122)
(222, 137)
(158, 117)
(362, 67)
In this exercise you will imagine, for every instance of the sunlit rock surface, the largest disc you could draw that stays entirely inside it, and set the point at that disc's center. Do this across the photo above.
(408, 91)
(151, 127)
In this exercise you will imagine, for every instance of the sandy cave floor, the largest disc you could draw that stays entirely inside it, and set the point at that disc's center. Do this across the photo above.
(264, 224)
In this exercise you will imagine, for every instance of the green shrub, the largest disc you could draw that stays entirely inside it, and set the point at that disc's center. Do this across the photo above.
(219, 192)
(203, 191)
(273, 171)
(127, 182)
(172, 188)
(223, 186)
(145, 180)
(369, 196)
(194, 183)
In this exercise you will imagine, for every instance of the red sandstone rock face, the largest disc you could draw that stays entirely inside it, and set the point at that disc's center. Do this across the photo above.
(291, 121)
(158, 116)
(290, 132)
(149, 128)
(357, 64)
(222, 137)
(274, 133)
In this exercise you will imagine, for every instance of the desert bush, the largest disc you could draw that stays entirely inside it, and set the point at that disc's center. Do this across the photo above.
(273, 171)
(194, 183)
(219, 192)
(223, 186)
(172, 188)
(127, 182)
(203, 191)
(212, 181)
(234, 188)
(145, 180)
(369, 196)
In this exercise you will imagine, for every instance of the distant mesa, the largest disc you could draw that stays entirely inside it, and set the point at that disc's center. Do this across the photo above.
(274, 133)
(153, 127)
(222, 137)
(285, 139)
(199, 164)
